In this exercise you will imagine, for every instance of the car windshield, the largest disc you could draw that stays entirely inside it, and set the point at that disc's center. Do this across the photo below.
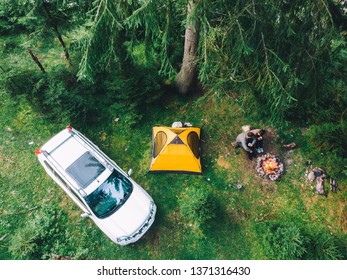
(110, 195)
(85, 169)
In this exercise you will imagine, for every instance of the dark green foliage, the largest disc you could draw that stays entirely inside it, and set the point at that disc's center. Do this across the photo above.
(12, 13)
(40, 236)
(29, 16)
(290, 242)
(60, 96)
(127, 95)
(159, 24)
(19, 82)
(327, 147)
(57, 94)
(328, 137)
(156, 24)
(288, 56)
(287, 60)
(102, 46)
(323, 246)
(282, 242)
(198, 206)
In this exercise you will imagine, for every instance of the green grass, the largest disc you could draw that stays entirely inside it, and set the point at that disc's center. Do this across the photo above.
(26, 189)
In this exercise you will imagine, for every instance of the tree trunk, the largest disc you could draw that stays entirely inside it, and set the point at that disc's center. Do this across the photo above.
(57, 33)
(61, 41)
(187, 76)
(36, 60)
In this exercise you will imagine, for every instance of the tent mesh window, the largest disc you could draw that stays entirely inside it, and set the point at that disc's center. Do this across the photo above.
(177, 140)
(159, 143)
(193, 142)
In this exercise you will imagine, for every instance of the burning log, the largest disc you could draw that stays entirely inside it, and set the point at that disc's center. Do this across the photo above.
(269, 166)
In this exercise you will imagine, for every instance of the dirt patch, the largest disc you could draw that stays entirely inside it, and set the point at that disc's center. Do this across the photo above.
(270, 146)
(270, 138)
(222, 162)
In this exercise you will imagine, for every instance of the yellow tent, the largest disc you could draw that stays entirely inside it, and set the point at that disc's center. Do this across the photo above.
(176, 150)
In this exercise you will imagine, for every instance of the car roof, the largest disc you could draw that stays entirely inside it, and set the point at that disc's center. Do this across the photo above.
(64, 148)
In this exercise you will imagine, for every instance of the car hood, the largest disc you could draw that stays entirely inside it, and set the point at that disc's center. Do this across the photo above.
(129, 218)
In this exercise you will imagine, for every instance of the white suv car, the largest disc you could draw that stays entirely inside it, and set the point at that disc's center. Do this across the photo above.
(105, 193)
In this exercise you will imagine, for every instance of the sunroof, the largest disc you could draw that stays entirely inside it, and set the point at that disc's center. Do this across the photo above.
(85, 169)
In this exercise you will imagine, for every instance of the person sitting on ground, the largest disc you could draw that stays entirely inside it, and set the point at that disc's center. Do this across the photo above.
(242, 140)
(258, 143)
(250, 140)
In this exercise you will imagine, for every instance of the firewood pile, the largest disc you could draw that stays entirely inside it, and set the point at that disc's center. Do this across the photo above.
(269, 166)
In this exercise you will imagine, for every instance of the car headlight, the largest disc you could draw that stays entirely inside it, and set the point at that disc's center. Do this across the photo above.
(152, 208)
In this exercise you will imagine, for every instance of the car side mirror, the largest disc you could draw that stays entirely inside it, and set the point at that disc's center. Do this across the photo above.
(85, 215)
(129, 172)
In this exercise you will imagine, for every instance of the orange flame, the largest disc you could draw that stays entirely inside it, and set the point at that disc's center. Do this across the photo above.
(270, 166)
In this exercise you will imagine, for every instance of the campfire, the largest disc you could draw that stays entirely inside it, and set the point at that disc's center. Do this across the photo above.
(269, 166)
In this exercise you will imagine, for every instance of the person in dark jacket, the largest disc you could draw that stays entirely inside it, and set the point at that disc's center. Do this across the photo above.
(258, 143)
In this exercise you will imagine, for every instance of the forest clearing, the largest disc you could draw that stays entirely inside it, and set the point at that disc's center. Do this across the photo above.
(115, 70)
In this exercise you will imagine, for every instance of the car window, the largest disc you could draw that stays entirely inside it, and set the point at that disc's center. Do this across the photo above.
(110, 195)
(85, 169)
